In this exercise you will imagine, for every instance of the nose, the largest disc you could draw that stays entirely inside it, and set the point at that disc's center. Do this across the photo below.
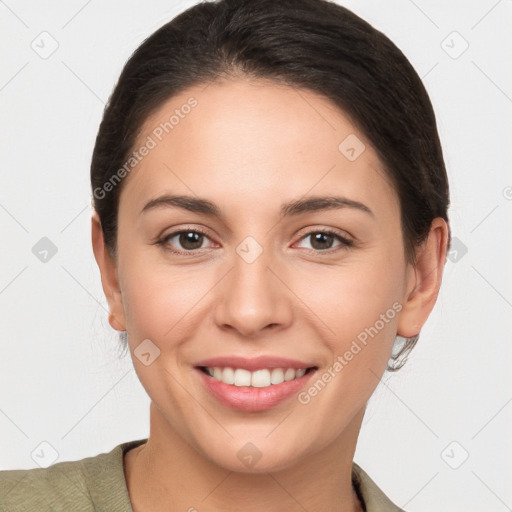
(253, 298)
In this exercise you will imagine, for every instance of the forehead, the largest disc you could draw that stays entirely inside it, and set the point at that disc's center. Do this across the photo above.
(251, 141)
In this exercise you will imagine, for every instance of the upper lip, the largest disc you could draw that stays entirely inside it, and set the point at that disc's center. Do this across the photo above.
(254, 363)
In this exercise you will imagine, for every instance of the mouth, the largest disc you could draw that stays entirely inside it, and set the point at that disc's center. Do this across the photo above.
(261, 378)
(252, 385)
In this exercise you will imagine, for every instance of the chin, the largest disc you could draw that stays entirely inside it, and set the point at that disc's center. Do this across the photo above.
(256, 454)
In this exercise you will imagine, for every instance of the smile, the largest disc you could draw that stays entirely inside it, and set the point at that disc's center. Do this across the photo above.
(257, 379)
(253, 384)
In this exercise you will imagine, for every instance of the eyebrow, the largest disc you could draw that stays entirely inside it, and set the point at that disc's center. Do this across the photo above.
(204, 206)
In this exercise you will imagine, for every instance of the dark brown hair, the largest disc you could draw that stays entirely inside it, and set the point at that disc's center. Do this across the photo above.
(312, 44)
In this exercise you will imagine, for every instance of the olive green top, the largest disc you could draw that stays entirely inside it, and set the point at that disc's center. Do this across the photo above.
(97, 484)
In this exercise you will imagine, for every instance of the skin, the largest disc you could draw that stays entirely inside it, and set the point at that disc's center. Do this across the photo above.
(249, 146)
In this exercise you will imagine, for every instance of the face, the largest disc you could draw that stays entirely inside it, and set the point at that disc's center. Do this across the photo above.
(261, 307)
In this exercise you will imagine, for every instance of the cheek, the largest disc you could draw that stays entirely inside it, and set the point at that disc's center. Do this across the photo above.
(353, 296)
(359, 306)
(167, 303)
(161, 301)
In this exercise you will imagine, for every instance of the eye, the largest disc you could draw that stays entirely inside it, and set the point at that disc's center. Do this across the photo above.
(188, 240)
(323, 240)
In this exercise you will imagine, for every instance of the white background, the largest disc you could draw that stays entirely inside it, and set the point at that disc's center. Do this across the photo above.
(61, 378)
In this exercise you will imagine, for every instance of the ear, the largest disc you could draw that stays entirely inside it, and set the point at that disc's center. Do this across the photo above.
(424, 280)
(109, 279)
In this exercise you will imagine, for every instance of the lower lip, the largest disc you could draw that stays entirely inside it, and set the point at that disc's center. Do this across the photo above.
(246, 398)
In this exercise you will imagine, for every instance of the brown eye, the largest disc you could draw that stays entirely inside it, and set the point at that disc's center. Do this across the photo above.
(184, 241)
(321, 240)
(190, 240)
(324, 240)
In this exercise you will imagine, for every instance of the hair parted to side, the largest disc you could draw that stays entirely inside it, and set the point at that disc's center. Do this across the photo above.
(311, 44)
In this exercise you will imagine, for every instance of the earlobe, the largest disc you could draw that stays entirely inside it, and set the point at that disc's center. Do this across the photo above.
(424, 280)
(109, 275)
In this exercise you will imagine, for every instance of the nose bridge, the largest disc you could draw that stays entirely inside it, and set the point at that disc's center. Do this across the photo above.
(252, 297)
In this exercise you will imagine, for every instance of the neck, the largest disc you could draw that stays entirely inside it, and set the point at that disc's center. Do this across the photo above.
(166, 473)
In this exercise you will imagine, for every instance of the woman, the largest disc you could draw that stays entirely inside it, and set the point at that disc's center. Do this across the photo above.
(270, 219)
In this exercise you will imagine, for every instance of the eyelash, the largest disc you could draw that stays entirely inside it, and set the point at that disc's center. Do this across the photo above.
(345, 242)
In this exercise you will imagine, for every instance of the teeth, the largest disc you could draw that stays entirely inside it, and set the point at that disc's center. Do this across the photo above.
(242, 377)
(289, 374)
(257, 379)
(277, 376)
(228, 375)
(260, 379)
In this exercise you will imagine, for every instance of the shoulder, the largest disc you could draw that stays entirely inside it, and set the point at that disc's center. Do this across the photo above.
(93, 483)
(40, 488)
(370, 493)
